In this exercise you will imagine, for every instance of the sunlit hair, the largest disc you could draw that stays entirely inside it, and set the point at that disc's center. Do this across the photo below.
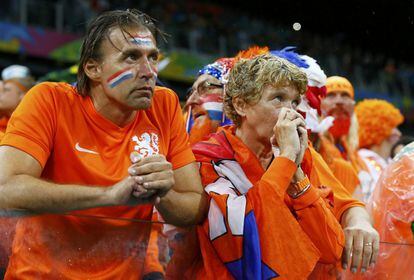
(248, 78)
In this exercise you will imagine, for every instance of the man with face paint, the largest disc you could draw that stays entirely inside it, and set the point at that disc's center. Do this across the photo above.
(204, 109)
(204, 106)
(69, 150)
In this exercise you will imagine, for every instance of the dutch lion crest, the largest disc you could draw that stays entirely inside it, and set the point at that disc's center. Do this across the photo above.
(146, 144)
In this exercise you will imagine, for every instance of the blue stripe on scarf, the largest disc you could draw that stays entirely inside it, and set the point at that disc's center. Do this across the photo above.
(250, 266)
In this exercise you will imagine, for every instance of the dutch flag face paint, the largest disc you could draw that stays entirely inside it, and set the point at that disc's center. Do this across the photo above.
(142, 40)
(119, 77)
(213, 104)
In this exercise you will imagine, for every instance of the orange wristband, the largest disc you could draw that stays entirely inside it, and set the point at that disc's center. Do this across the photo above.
(303, 185)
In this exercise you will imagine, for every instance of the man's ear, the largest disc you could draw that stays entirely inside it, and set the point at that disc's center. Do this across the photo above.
(240, 106)
(93, 70)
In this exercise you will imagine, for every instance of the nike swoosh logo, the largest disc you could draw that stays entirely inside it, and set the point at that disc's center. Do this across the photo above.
(80, 149)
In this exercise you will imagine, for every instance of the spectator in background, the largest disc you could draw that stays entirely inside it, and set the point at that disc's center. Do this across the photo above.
(378, 132)
(204, 107)
(17, 80)
(341, 141)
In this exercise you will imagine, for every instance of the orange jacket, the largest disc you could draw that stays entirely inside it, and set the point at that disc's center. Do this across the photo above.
(253, 227)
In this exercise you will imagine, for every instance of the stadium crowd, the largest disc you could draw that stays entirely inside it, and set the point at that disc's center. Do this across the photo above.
(270, 169)
(221, 30)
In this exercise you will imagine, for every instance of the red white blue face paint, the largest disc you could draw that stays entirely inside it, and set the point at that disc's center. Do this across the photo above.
(213, 104)
(143, 40)
(120, 77)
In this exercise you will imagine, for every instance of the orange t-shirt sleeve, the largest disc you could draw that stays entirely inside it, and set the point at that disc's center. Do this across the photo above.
(179, 153)
(32, 126)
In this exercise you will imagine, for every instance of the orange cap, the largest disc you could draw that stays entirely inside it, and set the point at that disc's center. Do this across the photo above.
(337, 83)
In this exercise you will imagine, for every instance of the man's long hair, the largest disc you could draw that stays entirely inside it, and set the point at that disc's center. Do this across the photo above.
(98, 30)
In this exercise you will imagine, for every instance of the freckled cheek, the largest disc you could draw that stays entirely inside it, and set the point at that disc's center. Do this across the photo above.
(270, 118)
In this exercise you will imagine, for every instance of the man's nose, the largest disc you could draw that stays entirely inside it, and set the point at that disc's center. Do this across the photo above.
(193, 99)
(146, 70)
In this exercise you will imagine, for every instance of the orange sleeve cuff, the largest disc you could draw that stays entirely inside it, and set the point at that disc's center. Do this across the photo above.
(27, 145)
(338, 213)
(280, 173)
(183, 158)
(308, 198)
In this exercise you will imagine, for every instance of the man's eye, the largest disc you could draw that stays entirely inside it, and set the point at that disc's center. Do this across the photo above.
(154, 57)
(132, 57)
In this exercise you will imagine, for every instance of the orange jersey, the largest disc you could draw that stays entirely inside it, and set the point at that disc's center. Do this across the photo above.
(330, 150)
(345, 166)
(253, 229)
(76, 145)
(152, 260)
(7, 229)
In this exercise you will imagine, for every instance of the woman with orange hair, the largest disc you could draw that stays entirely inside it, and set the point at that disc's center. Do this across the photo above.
(378, 121)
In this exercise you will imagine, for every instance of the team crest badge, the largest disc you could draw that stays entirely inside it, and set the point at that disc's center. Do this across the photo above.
(146, 144)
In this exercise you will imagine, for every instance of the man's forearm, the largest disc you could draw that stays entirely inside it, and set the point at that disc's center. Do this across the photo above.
(29, 193)
(183, 209)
